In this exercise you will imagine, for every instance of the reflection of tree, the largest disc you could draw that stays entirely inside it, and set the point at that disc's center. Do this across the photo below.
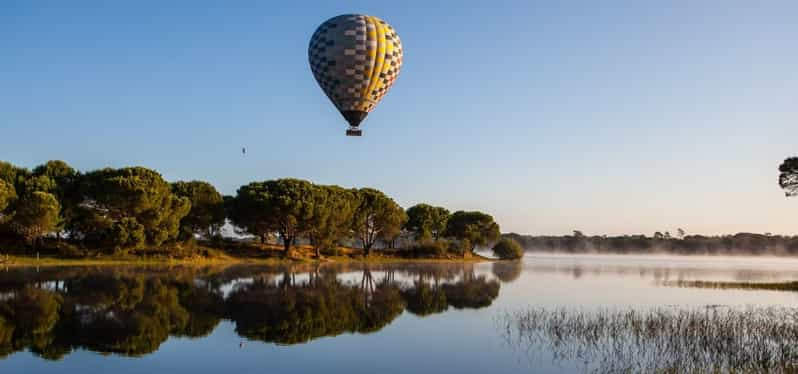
(33, 314)
(6, 336)
(424, 299)
(386, 304)
(205, 308)
(294, 313)
(507, 271)
(133, 311)
(135, 329)
(472, 292)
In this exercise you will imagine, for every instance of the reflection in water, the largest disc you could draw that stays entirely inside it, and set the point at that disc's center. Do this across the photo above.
(663, 269)
(769, 286)
(508, 271)
(132, 311)
(699, 340)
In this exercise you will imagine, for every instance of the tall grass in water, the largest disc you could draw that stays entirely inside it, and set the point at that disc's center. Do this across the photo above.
(699, 340)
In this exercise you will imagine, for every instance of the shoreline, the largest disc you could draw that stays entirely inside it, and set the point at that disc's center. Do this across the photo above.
(50, 261)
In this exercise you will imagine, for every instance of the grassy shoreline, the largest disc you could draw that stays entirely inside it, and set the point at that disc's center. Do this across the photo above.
(16, 260)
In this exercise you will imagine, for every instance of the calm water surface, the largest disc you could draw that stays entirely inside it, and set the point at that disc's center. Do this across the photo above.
(337, 319)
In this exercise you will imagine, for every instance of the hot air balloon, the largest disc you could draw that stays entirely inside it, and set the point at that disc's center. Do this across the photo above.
(355, 59)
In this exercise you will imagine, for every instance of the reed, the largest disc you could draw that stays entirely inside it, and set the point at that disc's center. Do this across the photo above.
(695, 340)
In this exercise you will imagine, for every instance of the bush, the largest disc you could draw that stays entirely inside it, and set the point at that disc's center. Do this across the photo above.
(459, 247)
(428, 249)
(508, 249)
(68, 250)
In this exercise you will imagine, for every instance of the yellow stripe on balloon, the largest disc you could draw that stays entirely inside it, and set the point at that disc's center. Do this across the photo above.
(374, 79)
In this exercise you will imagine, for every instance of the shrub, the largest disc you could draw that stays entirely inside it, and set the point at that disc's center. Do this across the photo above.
(508, 249)
(429, 249)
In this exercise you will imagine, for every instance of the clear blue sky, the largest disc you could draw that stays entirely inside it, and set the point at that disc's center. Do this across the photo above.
(608, 117)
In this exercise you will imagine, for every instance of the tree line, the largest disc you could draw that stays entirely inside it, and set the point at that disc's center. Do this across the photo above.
(737, 244)
(680, 243)
(133, 209)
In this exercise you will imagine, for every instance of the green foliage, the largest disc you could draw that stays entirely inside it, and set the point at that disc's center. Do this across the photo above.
(333, 209)
(132, 311)
(34, 311)
(12, 175)
(7, 195)
(207, 215)
(508, 249)
(428, 248)
(788, 176)
(116, 210)
(283, 205)
(127, 233)
(376, 217)
(426, 221)
(476, 228)
(36, 215)
(423, 299)
(472, 292)
(135, 193)
(61, 180)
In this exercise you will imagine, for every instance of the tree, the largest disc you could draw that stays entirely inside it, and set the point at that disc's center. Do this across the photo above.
(36, 215)
(508, 249)
(331, 221)
(206, 216)
(472, 228)
(377, 217)
(139, 194)
(7, 196)
(11, 174)
(788, 176)
(680, 233)
(426, 221)
(283, 205)
(245, 211)
(61, 180)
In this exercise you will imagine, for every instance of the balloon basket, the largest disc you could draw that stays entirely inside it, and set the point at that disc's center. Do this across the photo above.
(354, 131)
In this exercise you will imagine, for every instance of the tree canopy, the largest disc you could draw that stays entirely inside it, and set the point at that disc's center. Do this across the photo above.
(134, 209)
(207, 215)
(426, 221)
(377, 217)
(141, 195)
(788, 176)
(508, 249)
(36, 214)
(473, 228)
(333, 210)
(283, 205)
(7, 195)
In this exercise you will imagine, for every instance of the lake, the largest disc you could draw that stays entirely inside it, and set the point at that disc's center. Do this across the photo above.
(404, 318)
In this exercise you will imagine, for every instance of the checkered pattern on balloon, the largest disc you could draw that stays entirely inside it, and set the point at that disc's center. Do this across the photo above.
(355, 59)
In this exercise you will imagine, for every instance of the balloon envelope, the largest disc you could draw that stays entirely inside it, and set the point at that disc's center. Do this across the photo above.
(355, 59)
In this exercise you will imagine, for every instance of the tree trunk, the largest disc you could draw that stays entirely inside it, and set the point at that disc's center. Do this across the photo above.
(366, 250)
(262, 238)
(286, 246)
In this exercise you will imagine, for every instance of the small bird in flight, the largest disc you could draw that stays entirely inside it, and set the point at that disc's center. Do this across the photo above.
(244, 150)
